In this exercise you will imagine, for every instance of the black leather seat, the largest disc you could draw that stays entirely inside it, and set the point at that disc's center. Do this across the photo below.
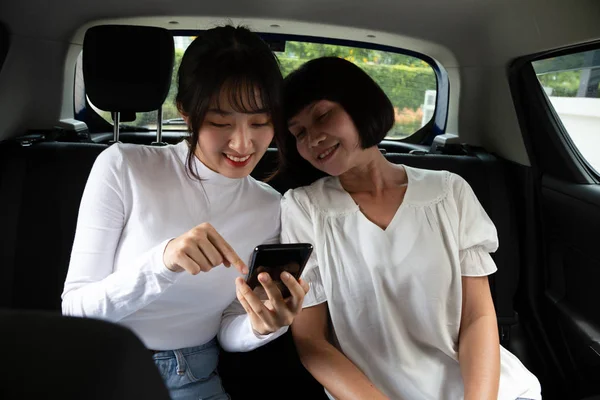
(40, 187)
(46, 355)
(52, 180)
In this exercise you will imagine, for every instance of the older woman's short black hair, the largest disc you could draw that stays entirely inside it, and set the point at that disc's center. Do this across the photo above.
(340, 81)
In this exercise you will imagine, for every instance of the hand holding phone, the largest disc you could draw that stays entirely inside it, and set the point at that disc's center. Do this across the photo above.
(277, 268)
(277, 258)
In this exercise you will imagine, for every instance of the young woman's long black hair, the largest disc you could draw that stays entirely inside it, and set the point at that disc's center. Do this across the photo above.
(232, 59)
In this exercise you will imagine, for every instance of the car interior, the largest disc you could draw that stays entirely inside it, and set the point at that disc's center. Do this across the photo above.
(505, 93)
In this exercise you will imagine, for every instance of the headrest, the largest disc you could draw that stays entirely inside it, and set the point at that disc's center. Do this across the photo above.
(127, 68)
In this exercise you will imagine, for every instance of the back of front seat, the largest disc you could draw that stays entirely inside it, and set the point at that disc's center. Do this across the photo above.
(46, 355)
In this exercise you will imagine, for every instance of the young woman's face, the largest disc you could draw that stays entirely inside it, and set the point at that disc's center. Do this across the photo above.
(326, 137)
(230, 142)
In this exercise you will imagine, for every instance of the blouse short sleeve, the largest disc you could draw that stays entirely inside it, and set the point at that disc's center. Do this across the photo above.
(477, 235)
(297, 227)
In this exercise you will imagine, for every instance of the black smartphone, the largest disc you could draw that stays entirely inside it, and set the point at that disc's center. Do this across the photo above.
(276, 258)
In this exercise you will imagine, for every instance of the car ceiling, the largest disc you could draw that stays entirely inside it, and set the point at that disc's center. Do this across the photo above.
(490, 31)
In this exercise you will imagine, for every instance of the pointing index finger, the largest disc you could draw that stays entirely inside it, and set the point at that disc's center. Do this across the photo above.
(229, 255)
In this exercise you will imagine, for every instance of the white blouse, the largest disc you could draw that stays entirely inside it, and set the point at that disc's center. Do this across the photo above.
(395, 295)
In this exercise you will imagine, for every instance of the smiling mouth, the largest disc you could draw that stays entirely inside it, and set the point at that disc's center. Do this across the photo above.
(327, 153)
(237, 162)
(238, 159)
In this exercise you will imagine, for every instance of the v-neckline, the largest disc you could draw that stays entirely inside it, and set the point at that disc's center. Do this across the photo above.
(398, 210)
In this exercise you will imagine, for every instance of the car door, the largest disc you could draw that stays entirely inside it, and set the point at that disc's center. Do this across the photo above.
(557, 98)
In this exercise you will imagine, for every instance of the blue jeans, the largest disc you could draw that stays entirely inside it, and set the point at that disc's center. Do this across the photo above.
(191, 373)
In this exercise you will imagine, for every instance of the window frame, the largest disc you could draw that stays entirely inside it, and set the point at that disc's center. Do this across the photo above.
(568, 161)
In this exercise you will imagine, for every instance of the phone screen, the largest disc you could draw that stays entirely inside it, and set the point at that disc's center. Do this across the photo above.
(277, 258)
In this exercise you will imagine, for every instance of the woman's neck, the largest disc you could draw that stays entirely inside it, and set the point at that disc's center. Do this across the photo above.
(373, 174)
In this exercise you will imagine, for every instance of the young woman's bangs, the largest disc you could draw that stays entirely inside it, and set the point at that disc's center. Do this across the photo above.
(244, 94)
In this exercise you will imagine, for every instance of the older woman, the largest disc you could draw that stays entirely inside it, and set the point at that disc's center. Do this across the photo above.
(401, 255)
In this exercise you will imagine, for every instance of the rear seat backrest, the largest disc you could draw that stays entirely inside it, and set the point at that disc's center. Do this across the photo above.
(44, 208)
(54, 174)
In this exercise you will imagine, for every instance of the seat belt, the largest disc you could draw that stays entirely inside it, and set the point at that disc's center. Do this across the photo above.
(504, 283)
(11, 191)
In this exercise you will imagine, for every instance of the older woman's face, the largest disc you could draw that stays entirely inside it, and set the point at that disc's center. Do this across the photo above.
(326, 136)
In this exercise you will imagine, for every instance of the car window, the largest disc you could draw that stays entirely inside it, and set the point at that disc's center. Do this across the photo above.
(409, 82)
(572, 84)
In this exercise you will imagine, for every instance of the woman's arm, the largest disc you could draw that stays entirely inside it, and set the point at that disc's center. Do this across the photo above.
(92, 287)
(479, 349)
(326, 363)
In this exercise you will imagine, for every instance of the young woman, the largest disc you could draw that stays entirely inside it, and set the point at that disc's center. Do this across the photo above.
(158, 225)
(401, 255)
